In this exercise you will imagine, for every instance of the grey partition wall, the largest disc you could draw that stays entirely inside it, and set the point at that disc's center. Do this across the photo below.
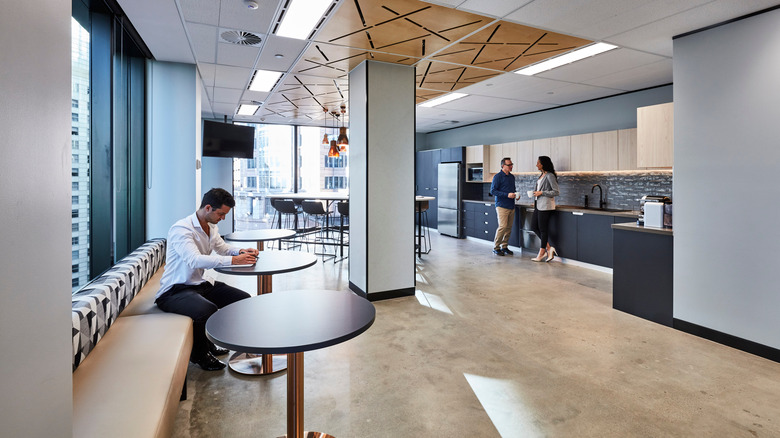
(381, 183)
(726, 153)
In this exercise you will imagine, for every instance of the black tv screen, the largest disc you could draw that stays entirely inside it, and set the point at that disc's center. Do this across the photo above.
(226, 140)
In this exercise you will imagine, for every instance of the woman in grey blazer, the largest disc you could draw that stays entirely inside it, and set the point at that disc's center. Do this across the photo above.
(544, 206)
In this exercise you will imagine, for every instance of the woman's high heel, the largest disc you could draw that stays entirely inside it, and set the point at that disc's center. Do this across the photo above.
(551, 254)
(540, 257)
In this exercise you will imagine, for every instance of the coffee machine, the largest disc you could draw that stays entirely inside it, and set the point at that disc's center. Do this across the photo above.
(650, 198)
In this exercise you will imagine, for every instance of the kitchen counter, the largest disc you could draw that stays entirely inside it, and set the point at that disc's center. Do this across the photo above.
(633, 226)
(629, 214)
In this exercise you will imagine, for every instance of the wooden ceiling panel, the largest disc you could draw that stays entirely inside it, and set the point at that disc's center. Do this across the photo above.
(332, 61)
(405, 27)
(508, 46)
(449, 77)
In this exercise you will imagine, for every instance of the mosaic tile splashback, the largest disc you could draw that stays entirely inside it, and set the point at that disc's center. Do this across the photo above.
(621, 189)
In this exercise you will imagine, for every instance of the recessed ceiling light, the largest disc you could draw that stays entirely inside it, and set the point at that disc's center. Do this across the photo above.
(246, 110)
(301, 17)
(264, 80)
(278, 56)
(566, 58)
(443, 99)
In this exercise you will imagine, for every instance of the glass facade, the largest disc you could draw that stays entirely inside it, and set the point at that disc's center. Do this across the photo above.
(286, 159)
(80, 144)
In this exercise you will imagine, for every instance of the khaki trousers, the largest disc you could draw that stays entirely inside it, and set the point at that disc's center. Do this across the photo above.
(506, 217)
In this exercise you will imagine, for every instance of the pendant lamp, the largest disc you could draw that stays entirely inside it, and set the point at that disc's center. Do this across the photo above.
(343, 141)
(325, 136)
(333, 152)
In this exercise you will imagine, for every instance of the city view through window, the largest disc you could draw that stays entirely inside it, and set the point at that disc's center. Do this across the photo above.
(80, 138)
(286, 159)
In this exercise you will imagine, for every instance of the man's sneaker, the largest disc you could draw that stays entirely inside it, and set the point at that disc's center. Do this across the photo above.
(507, 251)
(498, 252)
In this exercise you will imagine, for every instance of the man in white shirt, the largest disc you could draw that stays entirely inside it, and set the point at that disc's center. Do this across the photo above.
(191, 245)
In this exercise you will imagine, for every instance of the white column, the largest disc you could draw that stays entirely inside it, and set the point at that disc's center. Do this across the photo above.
(381, 186)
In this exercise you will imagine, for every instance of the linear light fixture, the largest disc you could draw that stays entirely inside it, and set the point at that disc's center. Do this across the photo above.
(264, 80)
(301, 17)
(566, 58)
(443, 99)
(247, 110)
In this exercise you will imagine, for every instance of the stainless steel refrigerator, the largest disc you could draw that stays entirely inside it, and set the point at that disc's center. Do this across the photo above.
(449, 190)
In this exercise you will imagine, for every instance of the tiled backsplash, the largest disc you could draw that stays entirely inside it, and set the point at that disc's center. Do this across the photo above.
(621, 189)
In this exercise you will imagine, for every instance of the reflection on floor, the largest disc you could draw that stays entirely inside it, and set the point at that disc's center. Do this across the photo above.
(497, 346)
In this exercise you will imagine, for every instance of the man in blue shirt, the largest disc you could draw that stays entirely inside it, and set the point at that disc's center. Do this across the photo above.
(503, 188)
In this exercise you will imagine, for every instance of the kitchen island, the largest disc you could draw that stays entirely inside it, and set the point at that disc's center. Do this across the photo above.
(642, 275)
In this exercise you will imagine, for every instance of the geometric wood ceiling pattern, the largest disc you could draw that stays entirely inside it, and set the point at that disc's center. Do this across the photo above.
(450, 49)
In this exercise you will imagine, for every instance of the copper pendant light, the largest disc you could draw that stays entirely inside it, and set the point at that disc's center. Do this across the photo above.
(333, 152)
(343, 141)
(325, 136)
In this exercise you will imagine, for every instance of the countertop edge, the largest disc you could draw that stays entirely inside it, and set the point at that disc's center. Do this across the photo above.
(633, 226)
(626, 214)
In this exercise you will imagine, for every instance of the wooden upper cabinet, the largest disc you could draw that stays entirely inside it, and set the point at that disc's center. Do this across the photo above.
(582, 152)
(474, 154)
(525, 160)
(560, 153)
(493, 164)
(541, 147)
(605, 150)
(510, 150)
(627, 149)
(655, 135)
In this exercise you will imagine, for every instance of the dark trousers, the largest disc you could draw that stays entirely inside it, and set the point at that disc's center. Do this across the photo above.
(199, 302)
(540, 225)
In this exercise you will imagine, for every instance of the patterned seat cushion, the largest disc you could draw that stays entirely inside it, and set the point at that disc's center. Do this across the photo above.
(97, 305)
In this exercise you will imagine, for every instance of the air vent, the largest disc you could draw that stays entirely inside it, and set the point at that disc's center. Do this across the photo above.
(241, 38)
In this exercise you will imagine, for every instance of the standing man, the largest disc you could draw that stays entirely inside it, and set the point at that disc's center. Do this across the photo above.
(503, 188)
(183, 289)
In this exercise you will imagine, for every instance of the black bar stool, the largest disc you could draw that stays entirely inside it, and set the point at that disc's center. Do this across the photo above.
(321, 217)
(287, 215)
(421, 211)
(343, 209)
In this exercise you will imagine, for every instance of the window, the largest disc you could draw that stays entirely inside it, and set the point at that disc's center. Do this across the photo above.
(74, 268)
(107, 75)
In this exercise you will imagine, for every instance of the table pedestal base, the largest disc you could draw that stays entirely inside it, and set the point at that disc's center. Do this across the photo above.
(257, 364)
(307, 434)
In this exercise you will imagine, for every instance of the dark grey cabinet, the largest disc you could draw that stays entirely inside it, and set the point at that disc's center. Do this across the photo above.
(480, 220)
(594, 239)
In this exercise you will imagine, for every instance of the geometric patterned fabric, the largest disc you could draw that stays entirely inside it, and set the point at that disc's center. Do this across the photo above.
(97, 305)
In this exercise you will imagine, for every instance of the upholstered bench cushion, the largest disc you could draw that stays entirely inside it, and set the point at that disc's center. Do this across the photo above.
(132, 382)
(96, 306)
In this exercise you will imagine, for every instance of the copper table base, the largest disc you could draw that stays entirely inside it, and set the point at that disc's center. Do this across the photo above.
(257, 364)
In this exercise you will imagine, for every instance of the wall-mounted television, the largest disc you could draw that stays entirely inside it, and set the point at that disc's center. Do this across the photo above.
(227, 140)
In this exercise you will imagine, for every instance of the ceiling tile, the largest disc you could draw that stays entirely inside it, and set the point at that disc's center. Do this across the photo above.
(290, 48)
(235, 15)
(645, 76)
(221, 109)
(232, 77)
(492, 8)
(236, 55)
(207, 74)
(227, 95)
(161, 29)
(204, 41)
(333, 61)
(200, 11)
(603, 64)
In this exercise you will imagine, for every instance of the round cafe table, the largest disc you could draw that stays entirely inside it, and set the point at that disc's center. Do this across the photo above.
(268, 263)
(291, 322)
(264, 284)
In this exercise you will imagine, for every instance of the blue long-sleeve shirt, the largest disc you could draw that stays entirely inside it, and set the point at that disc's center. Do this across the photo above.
(501, 187)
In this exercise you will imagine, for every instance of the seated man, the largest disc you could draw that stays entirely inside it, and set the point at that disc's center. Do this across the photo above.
(183, 289)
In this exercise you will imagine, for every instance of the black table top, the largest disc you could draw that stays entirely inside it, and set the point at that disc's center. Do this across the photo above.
(273, 262)
(259, 235)
(290, 321)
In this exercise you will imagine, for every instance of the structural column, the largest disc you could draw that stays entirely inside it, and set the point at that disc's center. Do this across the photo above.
(381, 183)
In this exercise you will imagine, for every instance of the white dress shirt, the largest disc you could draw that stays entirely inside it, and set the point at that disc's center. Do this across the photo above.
(189, 253)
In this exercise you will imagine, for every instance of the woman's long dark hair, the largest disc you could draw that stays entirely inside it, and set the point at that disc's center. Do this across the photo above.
(547, 165)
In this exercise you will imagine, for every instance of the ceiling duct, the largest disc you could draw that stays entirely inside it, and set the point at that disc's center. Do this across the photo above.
(241, 38)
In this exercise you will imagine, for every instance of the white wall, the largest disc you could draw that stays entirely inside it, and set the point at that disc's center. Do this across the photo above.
(726, 185)
(35, 285)
(382, 177)
(173, 145)
(218, 172)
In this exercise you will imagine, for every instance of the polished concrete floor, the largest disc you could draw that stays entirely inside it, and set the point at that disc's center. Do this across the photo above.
(497, 346)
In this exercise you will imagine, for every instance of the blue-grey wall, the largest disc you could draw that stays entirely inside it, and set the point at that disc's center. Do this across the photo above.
(618, 112)
(726, 166)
